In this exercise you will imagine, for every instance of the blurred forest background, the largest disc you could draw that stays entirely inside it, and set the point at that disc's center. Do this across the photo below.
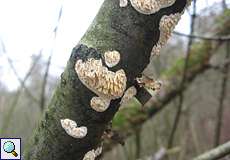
(189, 115)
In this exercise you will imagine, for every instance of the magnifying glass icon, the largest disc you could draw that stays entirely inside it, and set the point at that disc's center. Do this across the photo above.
(9, 147)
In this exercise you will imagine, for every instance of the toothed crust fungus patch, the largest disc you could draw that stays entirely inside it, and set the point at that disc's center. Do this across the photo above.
(91, 155)
(99, 104)
(167, 24)
(149, 83)
(150, 6)
(105, 83)
(129, 93)
(71, 128)
(112, 58)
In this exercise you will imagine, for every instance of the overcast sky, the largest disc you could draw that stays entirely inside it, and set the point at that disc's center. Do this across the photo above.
(26, 27)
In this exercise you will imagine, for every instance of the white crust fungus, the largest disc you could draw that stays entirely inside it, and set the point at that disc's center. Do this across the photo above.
(106, 84)
(167, 24)
(99, 104)
(129, 94)
(100, 80)
(149, 83)
(150, 6)
(112, 58)
(71, 128)
(123, 3)
(91, 155)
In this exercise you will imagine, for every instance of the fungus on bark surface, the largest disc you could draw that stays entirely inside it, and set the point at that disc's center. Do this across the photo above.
(100, 80)
(99, 104)
(150, 6)
(71, 128)
(108, 85)
(149, 83)
(166, 26)
(112, 58)
(92, 154)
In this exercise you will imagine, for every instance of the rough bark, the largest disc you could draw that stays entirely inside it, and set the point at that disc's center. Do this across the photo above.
(114, 28)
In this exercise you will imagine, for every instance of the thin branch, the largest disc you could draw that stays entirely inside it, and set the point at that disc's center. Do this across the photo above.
(221, 101)
(21, 81)
(162, 153)
(183, 82)
(45, 78)
(138, 142)
(215, 153)
(223, 38)
(224, 5)
(8, 115)
(221, 67)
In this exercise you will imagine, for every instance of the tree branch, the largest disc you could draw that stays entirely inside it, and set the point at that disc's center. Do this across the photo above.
(221, 100)
(115, 28)
(45, 78)
(184, 79)
(216, 153)
(222, 38)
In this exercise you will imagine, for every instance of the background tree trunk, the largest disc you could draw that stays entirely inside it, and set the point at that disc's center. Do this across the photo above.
(115, 28)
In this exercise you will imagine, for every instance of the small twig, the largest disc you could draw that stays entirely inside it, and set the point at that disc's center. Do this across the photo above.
(224, 5)
(45, 78)
(162, 153)
(21, 81)
(224, 38)
(222, 97)
(138, 142)
(221, 67)
(8, 115)
(183, 82)
(215, 153)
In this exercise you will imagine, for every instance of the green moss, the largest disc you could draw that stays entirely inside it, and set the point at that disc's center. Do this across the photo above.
(122, 117)
(197, 57)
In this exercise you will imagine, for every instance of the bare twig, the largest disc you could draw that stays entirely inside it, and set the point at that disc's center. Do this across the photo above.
(21, 81)
(215, 153)
(183, 82)
(223, 38)
(8, 115)
(224, 4)
(221, 67)
(222, 97)
(138, 142)
(162, 153)
(45, 78)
